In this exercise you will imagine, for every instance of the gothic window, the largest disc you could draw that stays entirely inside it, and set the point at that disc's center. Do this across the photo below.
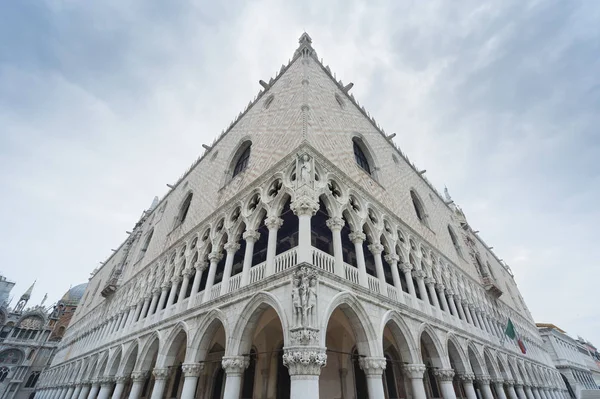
(418, 204)
(183, 210)
(241, 161)
(454, 240)
(32, 380)
(3, 373)
(146, 243)
(360, 157)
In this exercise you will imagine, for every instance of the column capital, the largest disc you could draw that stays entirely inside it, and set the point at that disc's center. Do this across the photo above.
(201, 266)
(187, 272)
(121, 379)
(235, 364)
(192, 369)
(304, 205)
(518, 384)
(176, 280)
(304, 360)
(429, 281)
(376, 248)
(139, 376)
(440, 287)
(357, 237)
(415, 370)
(106, 381)
(372, 365)
(231, 247)
(273, 222)
(335, 223)
(509, 382)
(215, 256)
(420, 274)
(406, 267)
(467, 377)
(483, 378)
(444, 374)
(165, 286)
(161, 374)
(391, 258)
(251, 235)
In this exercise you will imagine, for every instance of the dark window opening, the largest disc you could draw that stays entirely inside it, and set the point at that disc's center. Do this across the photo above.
(369, 260)
(283, 378)
(321, 236)
(260, 246)
(238, 258)
(249, 375)
(418, 205)
(387, 271)
(348, 249)
(242, 162)
(287, 236)
(361, 158)
(185, 207)
(176, 381)
(390, 379)
(360, 378)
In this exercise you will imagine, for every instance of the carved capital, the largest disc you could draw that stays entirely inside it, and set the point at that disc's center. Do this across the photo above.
(419, 274)
(304, 336)
(187, 272)
(105, 381)
(391, 258)
(509, 383)
(215, 257)
(192, 369)
(335, 223)
(251, 235)
(444, 374)
(139, 376)
(440, 287)
(304, 205)
(160, 374)
(231, 247)
(121, 379)
(467, 377)
(156, 291)
(372, 365)
(273, 222)
(415, 370)
(166, 285)
(357, 237)
(406, 267)
(304, 361)
(376, 249)
(201, 266)
(484, 378)
(429, 281)
(234, 364)
(176, 280)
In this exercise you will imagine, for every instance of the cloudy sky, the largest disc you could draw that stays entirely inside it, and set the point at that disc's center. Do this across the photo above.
(103, 103)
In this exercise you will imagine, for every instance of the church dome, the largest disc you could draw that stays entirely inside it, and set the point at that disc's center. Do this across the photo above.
(75, 294)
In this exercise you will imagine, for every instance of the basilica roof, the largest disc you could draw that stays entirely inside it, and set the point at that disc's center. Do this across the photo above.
(74, 294)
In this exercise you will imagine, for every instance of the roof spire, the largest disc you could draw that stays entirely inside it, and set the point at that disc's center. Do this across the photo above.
(27, 293)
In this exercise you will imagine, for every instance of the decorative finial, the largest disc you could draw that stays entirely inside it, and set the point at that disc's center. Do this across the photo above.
(305, 49)
(447, 194)
(305, 39)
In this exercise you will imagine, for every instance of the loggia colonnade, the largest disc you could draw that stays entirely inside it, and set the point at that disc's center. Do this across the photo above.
(301, 282)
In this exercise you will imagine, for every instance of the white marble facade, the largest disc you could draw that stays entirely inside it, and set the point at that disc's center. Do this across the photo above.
(302, 256)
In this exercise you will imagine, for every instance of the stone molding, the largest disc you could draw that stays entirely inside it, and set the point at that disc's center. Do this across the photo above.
(192, 369)
(235, 364)
(273, 222)
(372, 365)
(414, 370)
(444, 374)
(335, 223)
(105, 381)
(483, 378)
(161, 374)
(509, 383)
(304, 360)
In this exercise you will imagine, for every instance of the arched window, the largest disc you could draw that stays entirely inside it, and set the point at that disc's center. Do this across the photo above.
(242, 161)
(185, 207)
(146, 244)
(360, 157)
(454, 240)
(418, 204)
(32, 380)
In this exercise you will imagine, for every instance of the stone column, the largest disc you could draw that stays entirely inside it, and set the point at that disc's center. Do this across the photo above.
(520, 391)
(105, 387)
(131, 315)
(214, 258)
(420, 275)
(445, 377)
(528, 392)
(430, 283)
(231, 248)
(467, 381)
(163, 296)
(444, 303)
(251, 236)
(304, 365)
(85, 390)
(472, 315)
(145, 307)
(462, 309)
(543, 392)
(510, 388)
(63, 392)
(406, 269)
(336, 224)
(392, 259)
(535, 393)
(173, 292)
(137, 384)
(94, 389)
(187, 273)
(373, 368)
(452, 304)
(357, 239)
(484, 381)
(70, 390)
(155, 295)
(120, 381)
(138, 311)
(305, 207)
(415, 373)
(499, 385)
(234, 367)
(376, 250)
(160, 381)
(273, 223)
(191, 372)
(76, 391)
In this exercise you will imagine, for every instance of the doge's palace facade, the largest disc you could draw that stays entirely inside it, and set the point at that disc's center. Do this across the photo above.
(302, 256)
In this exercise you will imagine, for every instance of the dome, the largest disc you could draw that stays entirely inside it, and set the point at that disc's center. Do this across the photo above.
(74, 294)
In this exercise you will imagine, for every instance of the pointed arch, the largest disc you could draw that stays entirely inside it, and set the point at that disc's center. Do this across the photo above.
(149, 351)
(130, 356)
(477, 363)
(114, 362)
(403, 338)
(102, 362)
(456, 355)
(366, 338)
(429, 340)
(490, 364)
(241, 339)
(173, 343)
(201, 340)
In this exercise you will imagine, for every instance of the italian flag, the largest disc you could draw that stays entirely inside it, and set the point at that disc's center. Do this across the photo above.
(510, 333)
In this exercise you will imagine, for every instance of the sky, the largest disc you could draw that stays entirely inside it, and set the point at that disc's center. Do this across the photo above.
(104, 103)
